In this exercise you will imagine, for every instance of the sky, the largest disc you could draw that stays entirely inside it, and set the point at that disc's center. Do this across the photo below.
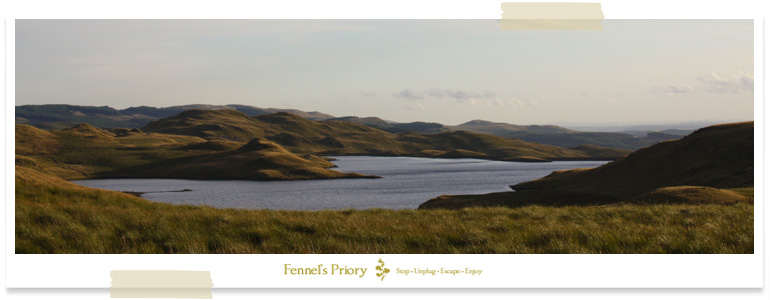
(446, 71)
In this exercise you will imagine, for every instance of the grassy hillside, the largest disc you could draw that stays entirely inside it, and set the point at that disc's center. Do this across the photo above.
(212, 124)
(257, 160)
(335, 137)
(509, 130)
(55, 216)
(720, 156)
(374, 122)
(693, 170)
(84, 151)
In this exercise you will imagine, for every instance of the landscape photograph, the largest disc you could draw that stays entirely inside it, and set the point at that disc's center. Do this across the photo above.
(383, 137)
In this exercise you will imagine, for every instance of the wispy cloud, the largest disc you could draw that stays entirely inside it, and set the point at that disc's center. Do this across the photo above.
(410, 94)
(711, 83)
(680, 88)
(488, 99)
(731, 83)
(459, 94)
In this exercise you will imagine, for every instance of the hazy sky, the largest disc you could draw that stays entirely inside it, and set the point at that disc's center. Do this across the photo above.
(447, 71)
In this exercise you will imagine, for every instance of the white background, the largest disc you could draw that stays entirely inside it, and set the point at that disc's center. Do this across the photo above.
(521, 270)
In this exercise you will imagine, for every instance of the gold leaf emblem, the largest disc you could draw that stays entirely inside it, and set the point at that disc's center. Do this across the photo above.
(383, 270)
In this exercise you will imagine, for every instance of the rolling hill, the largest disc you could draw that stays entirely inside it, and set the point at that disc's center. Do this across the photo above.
(334, 137)
(65, 116)
(224, 124)
(84, 151)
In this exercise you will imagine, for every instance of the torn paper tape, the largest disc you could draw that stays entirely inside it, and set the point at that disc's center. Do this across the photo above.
(161, 284)
(551, 16)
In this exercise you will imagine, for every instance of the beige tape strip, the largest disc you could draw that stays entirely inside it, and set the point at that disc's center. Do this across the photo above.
(551, 16)
(161, 284)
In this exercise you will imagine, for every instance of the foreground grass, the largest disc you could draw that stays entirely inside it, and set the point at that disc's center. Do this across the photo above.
(55, 216)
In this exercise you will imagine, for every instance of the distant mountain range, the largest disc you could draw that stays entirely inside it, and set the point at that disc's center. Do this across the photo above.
(336, 137)
(60, 116)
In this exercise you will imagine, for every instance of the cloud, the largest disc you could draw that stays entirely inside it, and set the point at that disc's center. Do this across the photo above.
(711, 83)
(681, 88)
(496, 102)
(486, 99)
(460, 94)
(732, 83)
(410, 94)
(444, 93)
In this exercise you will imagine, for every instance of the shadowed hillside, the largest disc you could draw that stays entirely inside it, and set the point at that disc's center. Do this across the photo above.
(720, 156)
(689, 170)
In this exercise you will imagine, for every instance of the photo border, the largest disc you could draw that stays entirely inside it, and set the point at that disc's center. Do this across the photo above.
(266, 270)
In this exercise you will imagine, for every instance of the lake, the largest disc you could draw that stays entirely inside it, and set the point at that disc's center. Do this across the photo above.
(406, 183)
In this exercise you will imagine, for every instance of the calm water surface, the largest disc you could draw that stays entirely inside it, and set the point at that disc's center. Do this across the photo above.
(406, 183)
